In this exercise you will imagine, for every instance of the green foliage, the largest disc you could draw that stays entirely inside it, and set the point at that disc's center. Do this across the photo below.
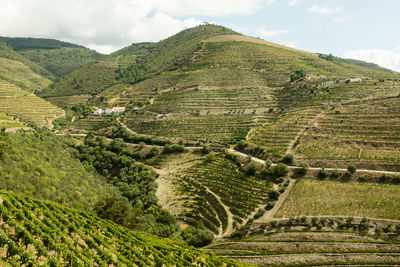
(61, 61)
(322, 174)
(273, 194)
(44, 166)
(37, 233)
(251, 168)
(288, 159)
(134, 181)
(197, 237)
(351, 168)
(279, 170)
(303, 168)
(174, 148)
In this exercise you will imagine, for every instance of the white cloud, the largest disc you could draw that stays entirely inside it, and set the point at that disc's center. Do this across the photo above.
(386, 58)
(292, 2)
(265, 33)
(111, 24)
(324, 10)
(341, 19)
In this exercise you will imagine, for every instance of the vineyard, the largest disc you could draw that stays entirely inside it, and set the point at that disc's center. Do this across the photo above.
(363, 133)
(315, 197)
(10, 123)
(34, 232)
(219, 196)
(309, 246)
(26, 105)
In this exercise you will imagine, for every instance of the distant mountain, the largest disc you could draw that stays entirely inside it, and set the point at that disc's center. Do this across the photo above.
(58, 57)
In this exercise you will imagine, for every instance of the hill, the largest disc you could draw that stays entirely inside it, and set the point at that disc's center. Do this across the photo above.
(21, 71)
(26, 105)
(56, 57)
(39, 232)
(42, 165)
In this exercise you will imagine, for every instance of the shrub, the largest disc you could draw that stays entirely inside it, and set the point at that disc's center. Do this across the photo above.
(251, 168)
(396, 179)
(288, 159)
(210, 158)
(268, 163)
(351, 169)
(197, 237)
(363, 178)
(273, 194)
(336, 173)
(280, 170)
(303, 168)
(384, 178)
(205, 149)
(241, 145)
(264, 173)
(322, 174)
(270, 205)
(259, 213)
(168, 149)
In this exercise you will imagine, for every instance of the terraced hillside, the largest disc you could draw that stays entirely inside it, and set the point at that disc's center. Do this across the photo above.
(310, 247)
(10, 124)
(365, 133)
(27, 106)
(211, 192)
(211, 84)
(34, 232)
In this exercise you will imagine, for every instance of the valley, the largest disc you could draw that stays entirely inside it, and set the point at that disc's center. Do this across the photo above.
(254, 152)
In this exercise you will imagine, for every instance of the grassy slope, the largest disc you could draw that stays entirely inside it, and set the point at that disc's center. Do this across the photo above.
(43, 232)
(43, 166)
(21, 71)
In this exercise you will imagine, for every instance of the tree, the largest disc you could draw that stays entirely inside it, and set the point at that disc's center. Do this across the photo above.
(288, 159)
(280, 170)
(251, 168)
(351, 168)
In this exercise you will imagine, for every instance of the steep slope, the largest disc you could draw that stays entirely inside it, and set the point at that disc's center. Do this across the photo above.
(210, 84)
(57, 57)
(43, 166)
(27, 106)
(36, 232)
(21, 71)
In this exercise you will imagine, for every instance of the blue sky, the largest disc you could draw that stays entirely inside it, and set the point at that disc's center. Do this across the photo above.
(367, 30)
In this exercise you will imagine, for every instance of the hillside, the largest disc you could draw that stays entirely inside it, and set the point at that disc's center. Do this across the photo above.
(37, 232)
(26, 105)
(44, 166)
(21, 71)
(56, 57)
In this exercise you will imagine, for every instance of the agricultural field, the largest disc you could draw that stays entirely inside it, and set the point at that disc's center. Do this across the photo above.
(363, 133)
(213, 193)
(311, 247)
(27, 106)
(35, 232)
(316, 197)
(10, 124)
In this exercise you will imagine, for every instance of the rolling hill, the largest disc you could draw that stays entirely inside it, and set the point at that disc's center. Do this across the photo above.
(56, 57)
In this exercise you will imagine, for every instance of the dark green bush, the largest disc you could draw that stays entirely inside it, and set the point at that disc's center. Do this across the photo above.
(351, 168)
(288, 159)
(197, 237)
(280, 170)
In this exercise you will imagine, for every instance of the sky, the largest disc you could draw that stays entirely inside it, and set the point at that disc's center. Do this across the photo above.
(362, 29)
